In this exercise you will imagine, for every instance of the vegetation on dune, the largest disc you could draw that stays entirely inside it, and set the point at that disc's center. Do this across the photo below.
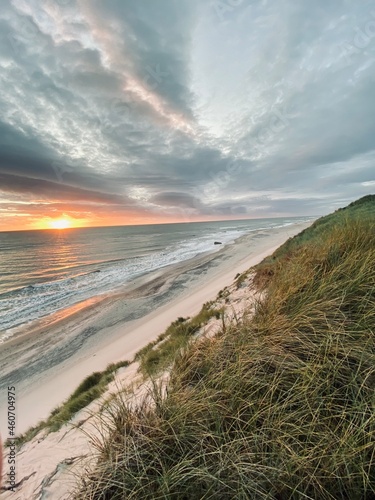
(153, 359)
(158, 355)
(90, 389)
(362, 209)
(278, 407)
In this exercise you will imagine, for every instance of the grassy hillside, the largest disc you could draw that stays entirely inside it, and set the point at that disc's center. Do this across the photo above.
(91, 388)
(362, 209)
(278, 407)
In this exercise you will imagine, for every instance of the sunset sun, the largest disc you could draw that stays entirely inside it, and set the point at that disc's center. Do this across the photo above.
(60, 224)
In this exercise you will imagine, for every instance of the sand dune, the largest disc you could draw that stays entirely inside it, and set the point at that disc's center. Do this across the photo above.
(43, 462)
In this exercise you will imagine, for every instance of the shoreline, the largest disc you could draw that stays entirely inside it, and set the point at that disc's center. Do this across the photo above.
(176, 291)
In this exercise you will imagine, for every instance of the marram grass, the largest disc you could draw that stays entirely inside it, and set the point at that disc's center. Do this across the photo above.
(91, 388)
(278, 407)
(158, 355)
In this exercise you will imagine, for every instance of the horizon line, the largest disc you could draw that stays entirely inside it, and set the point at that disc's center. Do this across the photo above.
(151, 224)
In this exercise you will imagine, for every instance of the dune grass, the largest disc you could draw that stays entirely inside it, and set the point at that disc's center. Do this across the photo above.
(278, 407)
(158, 355)
(89, 389)
(362, 209)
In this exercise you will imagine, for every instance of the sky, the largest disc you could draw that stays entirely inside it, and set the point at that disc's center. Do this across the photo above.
(130, 112)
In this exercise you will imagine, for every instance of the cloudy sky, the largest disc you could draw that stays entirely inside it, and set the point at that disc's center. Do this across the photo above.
(124, 111)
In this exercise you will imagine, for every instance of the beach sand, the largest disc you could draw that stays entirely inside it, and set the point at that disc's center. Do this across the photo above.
(47, 364)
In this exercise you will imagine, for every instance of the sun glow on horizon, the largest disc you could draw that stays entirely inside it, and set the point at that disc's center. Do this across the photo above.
(60, 224)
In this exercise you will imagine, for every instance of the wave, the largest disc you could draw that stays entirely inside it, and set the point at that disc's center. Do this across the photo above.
(35, 301)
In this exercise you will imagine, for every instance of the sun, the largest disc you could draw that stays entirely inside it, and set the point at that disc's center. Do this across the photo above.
(60, 224)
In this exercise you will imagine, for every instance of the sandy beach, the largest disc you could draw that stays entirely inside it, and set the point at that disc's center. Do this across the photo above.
(46, 366)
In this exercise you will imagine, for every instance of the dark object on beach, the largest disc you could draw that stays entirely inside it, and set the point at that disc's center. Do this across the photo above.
(217, 243)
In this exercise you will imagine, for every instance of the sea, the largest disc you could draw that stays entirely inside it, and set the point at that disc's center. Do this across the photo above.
(43, 272)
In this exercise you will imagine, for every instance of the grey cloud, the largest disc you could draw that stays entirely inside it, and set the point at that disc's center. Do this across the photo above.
(270, 89)
(52, 190)
(157, 36)
(176, 199)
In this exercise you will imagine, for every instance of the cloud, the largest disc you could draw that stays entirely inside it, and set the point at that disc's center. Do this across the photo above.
(54, 191)
(177, 199)
(247, 110)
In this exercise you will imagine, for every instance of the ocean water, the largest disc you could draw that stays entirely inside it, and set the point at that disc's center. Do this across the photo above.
(42, 272)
